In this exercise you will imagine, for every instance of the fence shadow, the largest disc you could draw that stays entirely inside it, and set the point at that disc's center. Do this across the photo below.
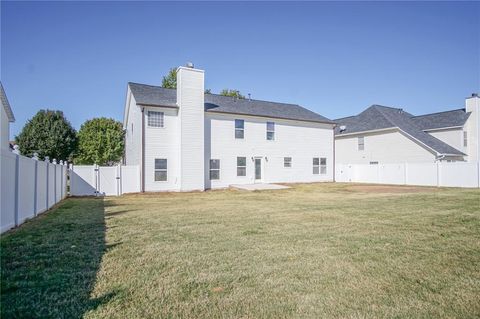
(49, 265)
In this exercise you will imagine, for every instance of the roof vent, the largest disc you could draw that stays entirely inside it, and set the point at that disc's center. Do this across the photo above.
(342, 128)
(474, 94)
(190, 65)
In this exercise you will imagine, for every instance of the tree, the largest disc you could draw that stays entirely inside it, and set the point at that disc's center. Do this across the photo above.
(169, 81)
(233, 93)
(100, 141)
(48, 133)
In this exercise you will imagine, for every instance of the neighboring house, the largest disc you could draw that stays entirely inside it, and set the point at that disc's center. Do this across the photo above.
(382, 134)
(6, 118)
(186, 140)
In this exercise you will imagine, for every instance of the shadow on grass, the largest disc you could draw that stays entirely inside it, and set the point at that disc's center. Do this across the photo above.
(49, 265)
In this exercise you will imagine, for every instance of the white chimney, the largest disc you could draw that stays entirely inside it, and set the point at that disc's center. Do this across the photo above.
(190, 100)
(472, 127)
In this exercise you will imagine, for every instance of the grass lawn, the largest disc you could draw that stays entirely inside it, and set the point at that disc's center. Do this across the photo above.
(312, 251)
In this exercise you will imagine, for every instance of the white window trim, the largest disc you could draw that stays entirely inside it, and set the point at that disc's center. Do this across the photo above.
(163, 120)
(363, 143)
(238, 129)
(241, 166)
(270, 131)
(160, 170)
(214, 169)
(315, 165)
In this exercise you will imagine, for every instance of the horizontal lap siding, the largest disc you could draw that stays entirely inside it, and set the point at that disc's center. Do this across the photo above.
(299, 140)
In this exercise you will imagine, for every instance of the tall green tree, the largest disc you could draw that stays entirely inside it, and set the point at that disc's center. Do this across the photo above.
(48, 133)
(169, 81)
(100, 141)
(232, 93)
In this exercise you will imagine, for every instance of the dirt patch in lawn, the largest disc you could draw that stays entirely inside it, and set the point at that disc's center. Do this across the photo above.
(390, 189)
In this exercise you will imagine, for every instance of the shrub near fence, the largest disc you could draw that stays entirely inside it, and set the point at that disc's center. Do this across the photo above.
(454, 174)
(29, 187)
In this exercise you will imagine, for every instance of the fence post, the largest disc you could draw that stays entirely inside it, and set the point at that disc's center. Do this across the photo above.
(95, 172)
(119, 179)
(61, 179)
(35, 188)
(54, 162)
(16, 151)
(47, 160)
(71, 177)
(438, 173)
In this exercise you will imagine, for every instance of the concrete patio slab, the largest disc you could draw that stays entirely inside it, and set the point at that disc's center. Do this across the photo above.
(259, 186)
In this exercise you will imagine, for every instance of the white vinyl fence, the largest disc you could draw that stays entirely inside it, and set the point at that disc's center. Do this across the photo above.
(93, 180)
(454, 174)
(28, 187)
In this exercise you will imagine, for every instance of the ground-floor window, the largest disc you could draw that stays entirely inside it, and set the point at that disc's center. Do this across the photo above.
(287, 162)
(241, 166)
(323, 165)
(214, 169)
(316, 165)
(160, 169)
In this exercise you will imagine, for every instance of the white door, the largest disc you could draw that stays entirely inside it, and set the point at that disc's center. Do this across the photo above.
(258, 169)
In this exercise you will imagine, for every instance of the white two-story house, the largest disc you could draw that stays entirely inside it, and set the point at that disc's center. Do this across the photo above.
(187, 140)
(381, 135)
(6, 117)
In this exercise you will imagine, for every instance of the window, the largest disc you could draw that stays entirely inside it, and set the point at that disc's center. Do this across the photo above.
(323, 165)
(465, 139)
(241, 166)
(361, 143)
(374, 163)
(287, 162)
(214, 169)
(239, 129)
(270, 131)
(160, 169)
(155, 119)
(316, 164)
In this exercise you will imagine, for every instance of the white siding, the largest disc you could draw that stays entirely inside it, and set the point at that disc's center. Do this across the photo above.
(453, 137)
(4, 130)
(382, 147)
(162, 142)
(133, 132)
(302, 141)
(190, 99)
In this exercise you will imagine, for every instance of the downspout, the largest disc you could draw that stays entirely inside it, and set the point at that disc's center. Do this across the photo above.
(142, 170)
(334, 179)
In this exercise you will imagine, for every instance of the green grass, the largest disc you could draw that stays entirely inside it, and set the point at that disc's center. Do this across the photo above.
(313, 251)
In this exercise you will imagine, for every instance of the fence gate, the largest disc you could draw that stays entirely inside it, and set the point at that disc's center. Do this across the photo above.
(94, 180)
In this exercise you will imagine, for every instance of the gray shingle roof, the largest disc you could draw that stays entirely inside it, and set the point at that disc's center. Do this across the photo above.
(441, 119)
(158, 96)
(381, 117)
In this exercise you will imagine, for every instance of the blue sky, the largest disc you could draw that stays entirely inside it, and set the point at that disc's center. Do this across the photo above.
(335, 58)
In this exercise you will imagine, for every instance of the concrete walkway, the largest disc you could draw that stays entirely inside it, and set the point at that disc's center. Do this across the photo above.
(259, 187)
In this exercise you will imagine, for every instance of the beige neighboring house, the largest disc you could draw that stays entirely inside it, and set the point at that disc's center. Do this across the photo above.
(381, 135)
(6, 118)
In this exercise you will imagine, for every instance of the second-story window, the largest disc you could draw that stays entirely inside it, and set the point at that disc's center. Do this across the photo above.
(155, 119)
(361, 143)
(239, 129)
(465, 139)
(270, 131)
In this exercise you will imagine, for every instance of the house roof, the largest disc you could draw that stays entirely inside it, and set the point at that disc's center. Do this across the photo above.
(453, 118)
(6, 105)
(157, 96)
(378, 117)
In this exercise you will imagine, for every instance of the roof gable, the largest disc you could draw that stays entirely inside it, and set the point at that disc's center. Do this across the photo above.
(380, 117)
(158, 96)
